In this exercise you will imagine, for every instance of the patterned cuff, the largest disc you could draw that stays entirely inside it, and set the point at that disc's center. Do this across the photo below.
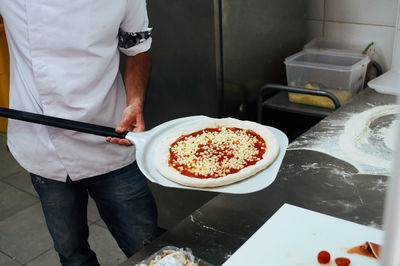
(127, 40)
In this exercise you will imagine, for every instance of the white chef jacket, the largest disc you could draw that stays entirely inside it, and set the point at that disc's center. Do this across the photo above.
(64, 62)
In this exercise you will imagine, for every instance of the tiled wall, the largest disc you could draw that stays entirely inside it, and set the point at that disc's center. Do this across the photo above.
(356, 21)
(396, 50)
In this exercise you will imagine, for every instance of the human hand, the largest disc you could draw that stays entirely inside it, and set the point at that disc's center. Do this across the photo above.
(132, 120)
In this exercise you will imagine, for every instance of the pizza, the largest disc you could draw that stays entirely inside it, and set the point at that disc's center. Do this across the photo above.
(216, 152)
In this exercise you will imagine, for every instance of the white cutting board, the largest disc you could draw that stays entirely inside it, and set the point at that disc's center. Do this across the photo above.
(294, 236)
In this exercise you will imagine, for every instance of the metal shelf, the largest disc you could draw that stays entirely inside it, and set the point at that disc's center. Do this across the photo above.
(280, 101)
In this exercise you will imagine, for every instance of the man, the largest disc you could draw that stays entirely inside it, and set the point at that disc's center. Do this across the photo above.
(64, 62)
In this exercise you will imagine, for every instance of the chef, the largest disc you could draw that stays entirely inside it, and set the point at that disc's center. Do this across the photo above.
(64, 62)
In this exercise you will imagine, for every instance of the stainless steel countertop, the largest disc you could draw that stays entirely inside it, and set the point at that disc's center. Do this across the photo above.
(307, 178)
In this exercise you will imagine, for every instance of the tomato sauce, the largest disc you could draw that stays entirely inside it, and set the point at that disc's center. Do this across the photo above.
(214, 149)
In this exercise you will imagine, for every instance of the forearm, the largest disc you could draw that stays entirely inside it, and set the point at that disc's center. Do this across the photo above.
(137, 73)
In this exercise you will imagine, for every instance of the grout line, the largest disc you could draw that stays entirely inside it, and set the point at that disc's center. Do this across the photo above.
(23, 209)
(17, 188)
(323, 19)
(94, 222)
(315, 19)
(7, 176)
(100, 224)
(11, 257)
(5, 254)
(37, 256)
(351, 23)
(359, 23)
(346, 22)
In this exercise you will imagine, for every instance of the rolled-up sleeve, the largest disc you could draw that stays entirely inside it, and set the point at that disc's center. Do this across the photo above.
(134, 34)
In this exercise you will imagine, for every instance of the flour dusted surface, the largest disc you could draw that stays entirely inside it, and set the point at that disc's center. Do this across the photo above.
(364, 139)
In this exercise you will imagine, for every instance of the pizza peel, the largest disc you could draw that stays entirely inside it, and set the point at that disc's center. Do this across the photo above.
(146, 143)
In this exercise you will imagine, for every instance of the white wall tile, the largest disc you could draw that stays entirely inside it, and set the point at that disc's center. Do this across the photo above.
(398, 14)
(363, 35)
(315, 9)
(376, 12)
(396, 52)
(314, 29)
(398, 22)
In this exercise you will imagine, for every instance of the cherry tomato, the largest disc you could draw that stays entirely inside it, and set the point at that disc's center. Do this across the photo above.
(341, 261)
(324, 257)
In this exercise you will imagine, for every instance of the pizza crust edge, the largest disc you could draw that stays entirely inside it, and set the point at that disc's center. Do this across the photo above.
(162, 153)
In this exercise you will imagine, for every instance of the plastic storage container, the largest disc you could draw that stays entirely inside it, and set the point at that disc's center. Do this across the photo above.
(173, 256)
(343, 74)
(336, 46)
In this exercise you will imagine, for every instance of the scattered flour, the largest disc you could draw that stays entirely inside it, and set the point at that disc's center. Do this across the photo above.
(389, 134)
(227, 256)
(365, 140)
(307, 167)
(357, 135)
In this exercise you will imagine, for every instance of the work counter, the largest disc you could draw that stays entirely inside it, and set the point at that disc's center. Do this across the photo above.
(315, 174)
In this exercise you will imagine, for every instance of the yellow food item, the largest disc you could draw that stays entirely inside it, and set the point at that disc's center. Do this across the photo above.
(322, 101)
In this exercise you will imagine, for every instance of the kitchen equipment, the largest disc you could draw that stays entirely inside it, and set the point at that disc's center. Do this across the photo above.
(146, 143)
(330, 69)
(223, 53)
(295, 236)
(374, 68)
(342, 74)
(280, 101)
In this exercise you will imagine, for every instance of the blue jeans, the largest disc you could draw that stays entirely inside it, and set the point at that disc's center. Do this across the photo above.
(123, 199)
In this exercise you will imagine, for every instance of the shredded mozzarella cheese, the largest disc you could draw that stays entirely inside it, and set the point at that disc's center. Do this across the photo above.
(216, 153)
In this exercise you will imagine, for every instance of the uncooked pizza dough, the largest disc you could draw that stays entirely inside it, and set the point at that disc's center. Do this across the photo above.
(217, 132)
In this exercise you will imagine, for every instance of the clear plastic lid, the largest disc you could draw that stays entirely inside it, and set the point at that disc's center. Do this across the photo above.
(335, 45)
(327, 60)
